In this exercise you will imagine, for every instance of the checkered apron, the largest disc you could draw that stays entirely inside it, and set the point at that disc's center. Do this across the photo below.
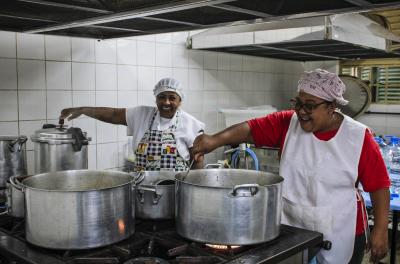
(157, 150)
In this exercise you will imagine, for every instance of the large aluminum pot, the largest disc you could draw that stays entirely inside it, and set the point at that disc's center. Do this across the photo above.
(79, 209)
(60, 148)
(12, 158)
(228, 206)
(155, 195)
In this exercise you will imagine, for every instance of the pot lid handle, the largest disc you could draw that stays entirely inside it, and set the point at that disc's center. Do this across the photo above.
(79, 138)
(45, 126)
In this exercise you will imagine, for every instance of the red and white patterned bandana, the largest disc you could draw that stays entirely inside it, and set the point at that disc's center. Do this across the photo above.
(323, 84)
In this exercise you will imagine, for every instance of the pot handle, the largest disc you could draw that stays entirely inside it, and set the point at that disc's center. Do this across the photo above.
(214, 166)
(139, 177)
(19, 141)
(142, 189)
(15, 184)
(147, 188)
(246, 190)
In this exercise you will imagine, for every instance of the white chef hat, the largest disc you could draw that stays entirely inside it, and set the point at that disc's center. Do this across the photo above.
(168, 85)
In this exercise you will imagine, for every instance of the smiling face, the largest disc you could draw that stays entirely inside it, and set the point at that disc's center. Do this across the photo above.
(314, 113)
(168, 103)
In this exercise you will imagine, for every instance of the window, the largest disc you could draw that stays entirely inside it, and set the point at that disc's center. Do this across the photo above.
(382, 76)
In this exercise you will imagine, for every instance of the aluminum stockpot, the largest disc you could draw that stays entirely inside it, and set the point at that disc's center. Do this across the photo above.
(155, 195)
(228, 206)
(12, 159)
(15, 197)
(79, 209)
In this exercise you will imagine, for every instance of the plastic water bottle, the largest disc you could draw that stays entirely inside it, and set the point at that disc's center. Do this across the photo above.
(384, 148)
(395, 166)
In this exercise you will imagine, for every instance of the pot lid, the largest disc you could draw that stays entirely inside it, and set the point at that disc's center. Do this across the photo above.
(52, 132)
(57, 134)
(358, 94)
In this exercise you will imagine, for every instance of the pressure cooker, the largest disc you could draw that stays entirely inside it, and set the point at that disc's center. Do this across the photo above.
(58, 148)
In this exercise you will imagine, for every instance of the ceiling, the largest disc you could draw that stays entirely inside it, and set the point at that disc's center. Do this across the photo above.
(104, 19)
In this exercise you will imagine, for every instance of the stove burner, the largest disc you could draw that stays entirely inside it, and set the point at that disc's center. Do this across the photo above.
(222, 247)
(155, 243)
(146, 260)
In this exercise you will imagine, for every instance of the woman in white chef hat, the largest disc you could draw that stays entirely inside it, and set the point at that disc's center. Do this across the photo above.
(162, 136)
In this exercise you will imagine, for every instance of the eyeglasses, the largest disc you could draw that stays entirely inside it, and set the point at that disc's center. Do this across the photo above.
(307, 107)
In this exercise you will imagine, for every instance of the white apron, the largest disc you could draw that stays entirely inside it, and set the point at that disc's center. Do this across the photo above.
(319, 188)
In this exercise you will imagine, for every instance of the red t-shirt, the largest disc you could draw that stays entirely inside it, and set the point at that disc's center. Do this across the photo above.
(271, 131)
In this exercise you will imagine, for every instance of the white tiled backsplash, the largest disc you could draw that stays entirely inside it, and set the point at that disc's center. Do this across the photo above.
(42, 74)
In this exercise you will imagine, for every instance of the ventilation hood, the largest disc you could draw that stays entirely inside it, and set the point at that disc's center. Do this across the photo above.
(103, 19)
(334, 37)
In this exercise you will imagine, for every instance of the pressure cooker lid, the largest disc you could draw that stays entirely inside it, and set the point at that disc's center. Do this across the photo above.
(50, 131)
(61, 134)
(358, 94)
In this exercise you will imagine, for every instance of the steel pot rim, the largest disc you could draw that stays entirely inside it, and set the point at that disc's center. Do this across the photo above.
(281, 179)
(131, 182)
(10, 137)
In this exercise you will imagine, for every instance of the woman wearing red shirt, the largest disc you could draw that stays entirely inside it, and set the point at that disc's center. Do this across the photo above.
(324, 155)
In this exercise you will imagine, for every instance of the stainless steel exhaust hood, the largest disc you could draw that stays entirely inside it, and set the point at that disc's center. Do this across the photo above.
(105, 19)
(334, 37)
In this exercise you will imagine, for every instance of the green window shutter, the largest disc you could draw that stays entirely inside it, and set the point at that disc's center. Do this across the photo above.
(384, 80)
(388, 85)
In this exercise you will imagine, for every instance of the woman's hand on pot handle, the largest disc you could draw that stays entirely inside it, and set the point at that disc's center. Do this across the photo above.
(203, 144)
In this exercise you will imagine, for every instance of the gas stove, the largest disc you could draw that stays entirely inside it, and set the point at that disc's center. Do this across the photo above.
(158, 243)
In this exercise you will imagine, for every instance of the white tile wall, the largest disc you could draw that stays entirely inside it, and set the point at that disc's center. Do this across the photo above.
(31, 75)
(31, 105)
(83, 50)
(126, 52)
(9, 128)
(106, 77)
(58, 48)
(30, 46)
(8, 45)
(83, 98)
(42, 74)
(106, 133)
(9, 106)
(83, 76)
(57, 101)
(146, 77)
(58, 75)
(8, 74)
(127, 77)
(106, 98)
(106, 51)
(107, 155)
(146, 53)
